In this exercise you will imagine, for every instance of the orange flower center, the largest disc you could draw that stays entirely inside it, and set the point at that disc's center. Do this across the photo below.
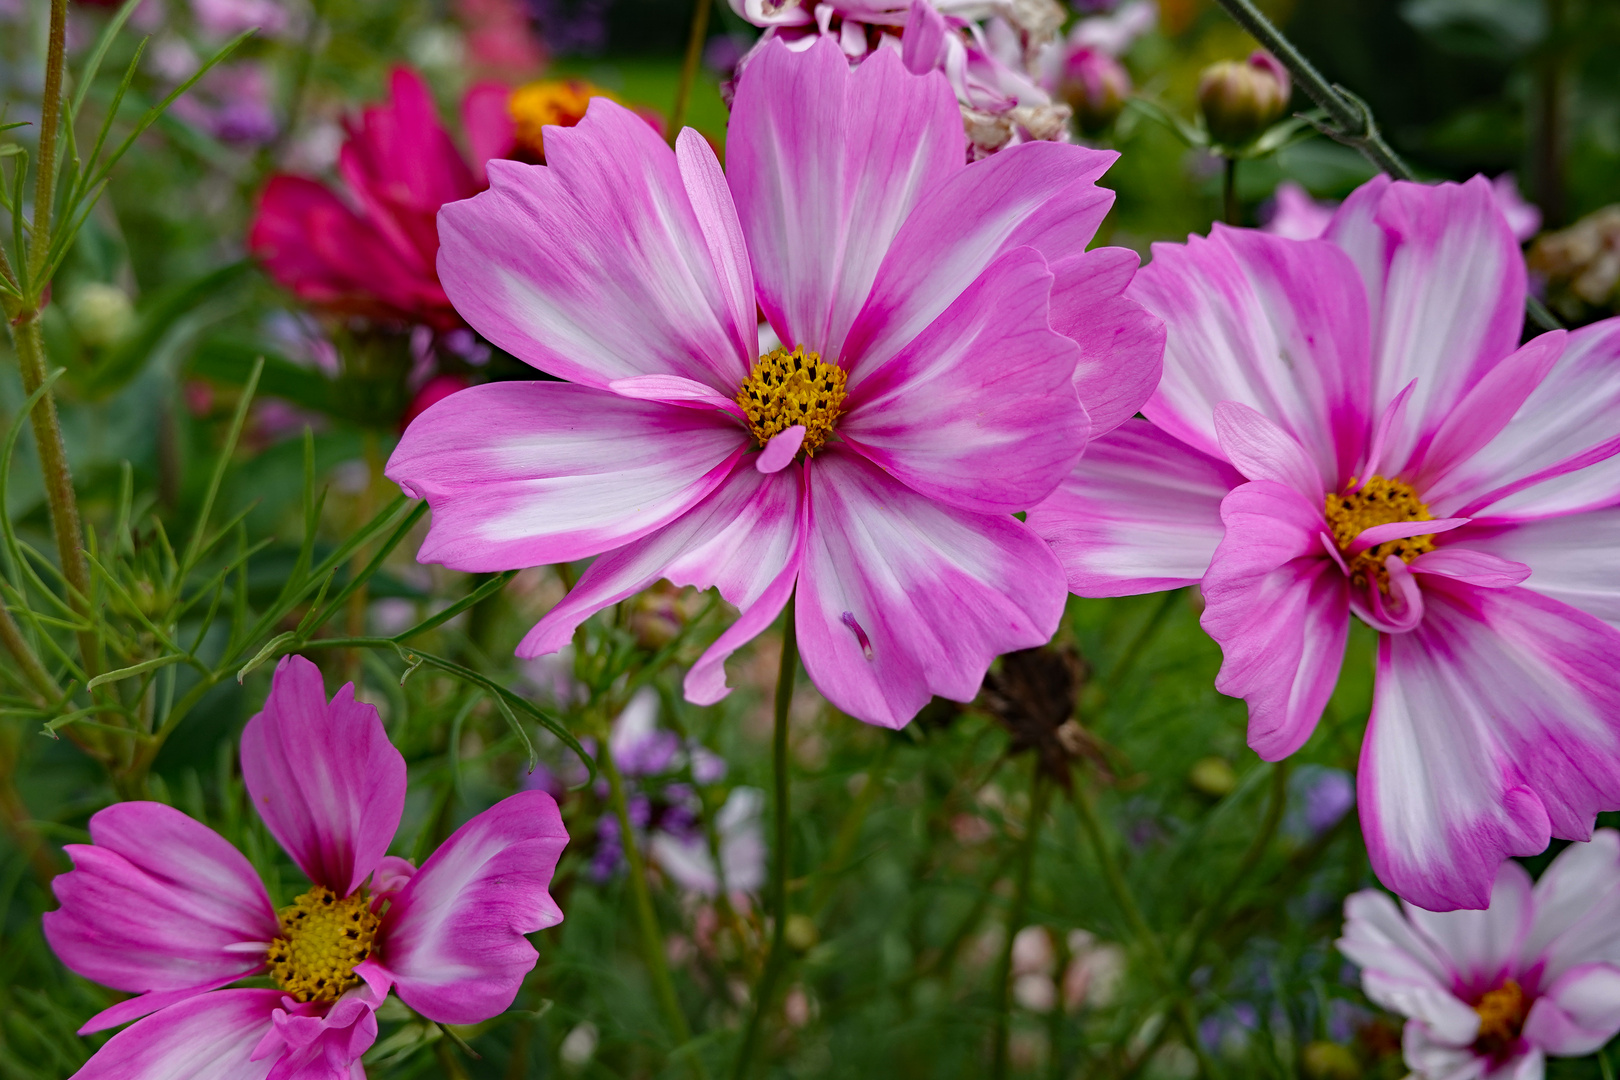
(551, 101)
(1502, 1014)
(1379, 501)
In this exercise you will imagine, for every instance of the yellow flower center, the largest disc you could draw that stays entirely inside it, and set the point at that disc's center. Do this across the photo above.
(1378, 502)
(322, 938)
(1502, 1014)
(551, 101)
(788, 388)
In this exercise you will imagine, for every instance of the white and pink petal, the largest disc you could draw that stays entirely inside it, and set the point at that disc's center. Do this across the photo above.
(902, 598)
(323, 776)
(209, 1037)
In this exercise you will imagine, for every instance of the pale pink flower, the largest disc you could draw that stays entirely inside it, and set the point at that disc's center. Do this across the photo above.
(1349, 426)
(1491, 994)
(162, 906)
(925, 292)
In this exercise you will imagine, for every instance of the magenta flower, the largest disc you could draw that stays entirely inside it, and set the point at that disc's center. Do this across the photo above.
(873, 463)
(1491, 994)
(1349, 426)
(1296, 215)
(162, 906)
(371, 253)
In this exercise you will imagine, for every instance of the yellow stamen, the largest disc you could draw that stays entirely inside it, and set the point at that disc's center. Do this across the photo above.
(550, 101)
(322, 938)
(1502, 1014)
(788, 388)
(1378, 502)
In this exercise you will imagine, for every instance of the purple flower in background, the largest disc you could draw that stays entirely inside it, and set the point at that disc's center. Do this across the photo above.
(1491, 994)
(572, 27)
(684, 854)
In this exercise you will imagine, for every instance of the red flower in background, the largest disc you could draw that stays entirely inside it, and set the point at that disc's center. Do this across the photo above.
(373, 252)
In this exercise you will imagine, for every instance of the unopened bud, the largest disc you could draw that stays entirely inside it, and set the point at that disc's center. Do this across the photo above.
(1212, 776)
(1330, 1061)
(1240, 99)
(800, 933)
(1095, 85)
(101, 314)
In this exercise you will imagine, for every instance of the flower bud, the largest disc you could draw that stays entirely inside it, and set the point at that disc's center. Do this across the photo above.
(1095, 85)
(101, 314)
(1241, 99)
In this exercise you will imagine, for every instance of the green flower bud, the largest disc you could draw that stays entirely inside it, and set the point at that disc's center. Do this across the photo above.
(101, 314)
(1241, 99)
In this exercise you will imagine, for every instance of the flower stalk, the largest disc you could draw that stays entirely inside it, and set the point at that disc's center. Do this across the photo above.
(1040, 795)
(776, 959)
(689, 67)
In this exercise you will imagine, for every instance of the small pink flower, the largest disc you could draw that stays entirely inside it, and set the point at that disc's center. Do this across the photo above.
(925, 391)
(162, 906)
(371, 254)
(1350, 426)
(1297, 216)
(1491, 994)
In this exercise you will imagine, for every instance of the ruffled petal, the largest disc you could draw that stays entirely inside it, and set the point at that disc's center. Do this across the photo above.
(1577, 906)
(1277, 325)
(1039, 194)
(1558, 453)
(1495, 724)
(1140, 512)
(452, 939)
(595, 266)
(1578, 1013)
(1121, 342)
(324, 777)
(159, 902)
(535, 473)
(1482, 946)
(739, 539)
(1279, 607)
(1380, 940)
(211, 1037)
(979, 410)
(1432, 1056)
(902, 598)
(826, 164)
(1446, 285)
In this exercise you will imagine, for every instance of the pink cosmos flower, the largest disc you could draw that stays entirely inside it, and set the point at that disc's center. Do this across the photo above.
(162, 906)
(1349, 426)
(1491, 994)
(371, 253)
(925, 391)
(1297, 216)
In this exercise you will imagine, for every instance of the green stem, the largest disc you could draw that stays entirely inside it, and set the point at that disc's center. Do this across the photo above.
(1040, 792)
(1350, 120)
(49, 124)
(17, 645)
(776, 959)
(1231, 209)
(689, 66)
(652, 939)
(1147, 940)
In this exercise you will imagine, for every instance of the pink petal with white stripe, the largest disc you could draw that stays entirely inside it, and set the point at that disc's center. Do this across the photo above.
(1495, 725)
(1121, 342)
(1573, 414)
(1139, 512)
(534, 473)
(1280, 610)
(1572, 558)
(1578, 1013)
(210, 1037)
(1482, 946)
(596, 266)
(1277, 325)
(1446, 285)
(740, 538)
(979, 410)
(1039, 194)
(902, 598)
(158, 902)
(324, 777)
(826, 164)
(1577, 902)
(452, 939)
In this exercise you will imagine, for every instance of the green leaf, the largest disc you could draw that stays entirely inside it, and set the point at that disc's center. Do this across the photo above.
(133, 670)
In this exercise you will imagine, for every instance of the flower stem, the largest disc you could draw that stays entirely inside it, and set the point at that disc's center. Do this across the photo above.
(652, 940)
(1350, 121)
(776, 959)
(689, 66)
(1231, 209)
(50, 121)
(1040, 793)
(17, 645)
